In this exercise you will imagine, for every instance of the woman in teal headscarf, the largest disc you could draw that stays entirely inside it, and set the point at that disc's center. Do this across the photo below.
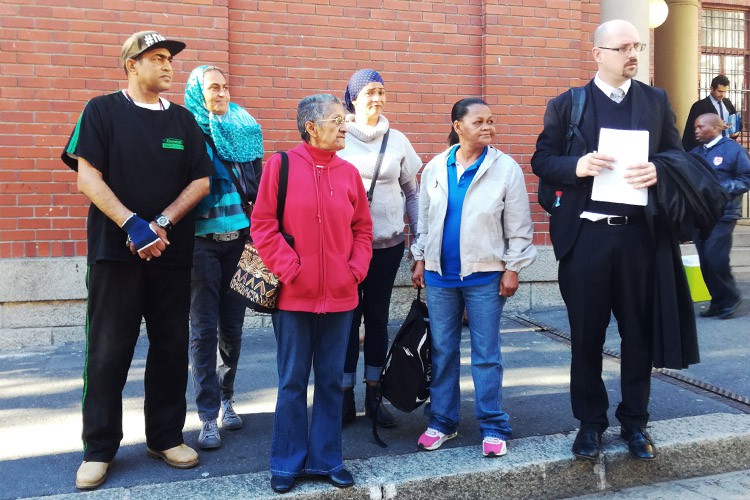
(235, 144)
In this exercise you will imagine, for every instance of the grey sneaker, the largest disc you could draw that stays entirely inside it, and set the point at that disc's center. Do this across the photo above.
(209, 437)
(229, 418)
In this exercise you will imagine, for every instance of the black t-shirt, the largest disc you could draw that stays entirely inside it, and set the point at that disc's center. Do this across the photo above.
(147, 158)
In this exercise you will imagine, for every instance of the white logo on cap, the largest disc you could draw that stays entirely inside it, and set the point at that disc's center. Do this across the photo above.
(152, 38)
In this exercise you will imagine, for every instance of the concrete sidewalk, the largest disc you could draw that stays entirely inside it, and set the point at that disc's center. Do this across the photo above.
(697, 432)
(729, 486)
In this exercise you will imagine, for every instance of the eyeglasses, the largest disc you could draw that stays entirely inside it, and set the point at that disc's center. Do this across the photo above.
(625, 49)
(338, 120)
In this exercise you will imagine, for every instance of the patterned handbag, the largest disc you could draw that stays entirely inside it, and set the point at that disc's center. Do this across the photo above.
(252, 280)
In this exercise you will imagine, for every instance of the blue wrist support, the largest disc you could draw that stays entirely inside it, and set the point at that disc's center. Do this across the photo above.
(140, 232)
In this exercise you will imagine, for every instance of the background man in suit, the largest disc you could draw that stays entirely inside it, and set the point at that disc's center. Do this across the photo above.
(732, 166)
(715, 102)
(607, 250)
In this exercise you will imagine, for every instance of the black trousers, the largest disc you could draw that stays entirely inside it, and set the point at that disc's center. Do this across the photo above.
(120, 295)
(610, 270)
(717, 273)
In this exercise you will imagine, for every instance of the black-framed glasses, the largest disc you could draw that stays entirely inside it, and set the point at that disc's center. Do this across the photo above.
(338, 120)
(625, 49)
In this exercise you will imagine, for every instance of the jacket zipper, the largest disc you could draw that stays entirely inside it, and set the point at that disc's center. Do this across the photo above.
(321, 261)
(478, 174)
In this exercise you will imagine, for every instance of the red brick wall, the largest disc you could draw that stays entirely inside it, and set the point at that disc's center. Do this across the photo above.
(57, 54)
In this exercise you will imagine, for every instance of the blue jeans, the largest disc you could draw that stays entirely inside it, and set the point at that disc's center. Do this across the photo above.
(306, 340)
(484, 307)
(216, 318)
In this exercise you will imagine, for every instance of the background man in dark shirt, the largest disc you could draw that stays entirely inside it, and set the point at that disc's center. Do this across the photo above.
(732, 166)
(139, 158)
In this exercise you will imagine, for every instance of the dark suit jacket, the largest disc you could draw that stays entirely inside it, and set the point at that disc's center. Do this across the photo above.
(674, 334)
(698, 108)
(650, 111)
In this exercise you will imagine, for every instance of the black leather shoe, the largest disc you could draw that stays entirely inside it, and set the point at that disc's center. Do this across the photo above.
(348, 409)
(640, 444)
(588, 444)
(342, 478)
(282, 484)
(710, 312)
(729, 312)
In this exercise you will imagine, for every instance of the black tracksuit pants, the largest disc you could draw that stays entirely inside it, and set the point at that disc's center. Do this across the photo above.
(120, 294)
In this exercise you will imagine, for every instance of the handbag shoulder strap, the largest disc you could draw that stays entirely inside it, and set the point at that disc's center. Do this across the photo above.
(377, 166)
(237, 185)
(283, 181)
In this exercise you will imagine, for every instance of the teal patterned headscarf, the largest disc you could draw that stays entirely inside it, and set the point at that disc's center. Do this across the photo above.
(236, 134)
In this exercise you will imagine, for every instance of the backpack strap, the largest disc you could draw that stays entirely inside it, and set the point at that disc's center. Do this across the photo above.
(578, 96)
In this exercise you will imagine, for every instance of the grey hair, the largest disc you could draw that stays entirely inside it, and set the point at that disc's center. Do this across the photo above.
(313, 108)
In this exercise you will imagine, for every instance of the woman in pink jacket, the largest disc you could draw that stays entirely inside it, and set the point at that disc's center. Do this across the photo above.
(327, 214)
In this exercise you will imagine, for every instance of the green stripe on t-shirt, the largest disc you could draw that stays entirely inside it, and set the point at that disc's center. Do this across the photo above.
(71, 150)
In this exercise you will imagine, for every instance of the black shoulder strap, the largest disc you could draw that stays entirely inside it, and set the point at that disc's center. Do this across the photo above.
(377, 166)
(243, 195)
(246, 201)
(578, 96)
(283, 181)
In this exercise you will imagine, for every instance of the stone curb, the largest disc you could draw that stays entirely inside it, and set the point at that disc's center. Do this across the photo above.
(536, 467)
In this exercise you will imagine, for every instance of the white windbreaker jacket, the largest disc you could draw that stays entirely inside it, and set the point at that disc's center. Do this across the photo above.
(496, 227)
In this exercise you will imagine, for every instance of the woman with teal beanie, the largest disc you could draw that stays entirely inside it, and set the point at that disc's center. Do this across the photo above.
(234, 141)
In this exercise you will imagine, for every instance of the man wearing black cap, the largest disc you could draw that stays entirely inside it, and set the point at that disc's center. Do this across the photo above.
(142, 162)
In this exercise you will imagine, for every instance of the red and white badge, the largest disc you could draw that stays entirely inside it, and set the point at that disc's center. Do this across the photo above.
(718, 160)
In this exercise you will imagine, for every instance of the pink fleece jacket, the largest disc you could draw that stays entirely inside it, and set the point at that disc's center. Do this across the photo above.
(328, 215)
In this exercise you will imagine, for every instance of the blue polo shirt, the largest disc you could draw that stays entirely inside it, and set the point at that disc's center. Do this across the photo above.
(450, 250)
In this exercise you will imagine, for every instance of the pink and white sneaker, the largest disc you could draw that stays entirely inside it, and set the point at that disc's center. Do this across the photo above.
(433, 439)
(493, 447)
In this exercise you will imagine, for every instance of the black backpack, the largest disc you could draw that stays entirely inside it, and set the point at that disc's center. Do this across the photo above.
(547, 193)
(407, 371)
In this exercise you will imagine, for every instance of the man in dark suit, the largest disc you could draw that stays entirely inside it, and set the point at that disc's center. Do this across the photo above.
(715, 102)
(607, 250)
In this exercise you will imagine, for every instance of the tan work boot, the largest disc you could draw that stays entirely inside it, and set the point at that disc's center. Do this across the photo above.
(91, 475)
(180, 457)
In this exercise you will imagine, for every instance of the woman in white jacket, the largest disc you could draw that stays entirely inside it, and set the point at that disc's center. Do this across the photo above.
(474, 237)
(396, 190)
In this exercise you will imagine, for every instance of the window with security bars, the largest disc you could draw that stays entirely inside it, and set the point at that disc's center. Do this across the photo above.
(725, 42)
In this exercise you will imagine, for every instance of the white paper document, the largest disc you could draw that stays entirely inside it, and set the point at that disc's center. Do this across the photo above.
(627, 147)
